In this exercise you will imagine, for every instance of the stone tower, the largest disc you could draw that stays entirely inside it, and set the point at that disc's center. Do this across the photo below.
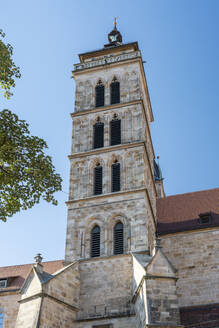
(112, 199)
(111, 133)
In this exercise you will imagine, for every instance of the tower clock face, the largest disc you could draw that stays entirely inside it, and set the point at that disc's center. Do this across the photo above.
(113, 38)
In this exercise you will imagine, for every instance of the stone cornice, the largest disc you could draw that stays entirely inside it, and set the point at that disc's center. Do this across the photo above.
(103, 196)
(107, 107)
(106, 149)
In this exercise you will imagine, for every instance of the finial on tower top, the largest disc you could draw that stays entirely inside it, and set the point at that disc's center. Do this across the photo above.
(115, 23)
(114, 37)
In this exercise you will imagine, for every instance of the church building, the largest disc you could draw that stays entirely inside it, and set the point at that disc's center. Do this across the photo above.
(134, 257)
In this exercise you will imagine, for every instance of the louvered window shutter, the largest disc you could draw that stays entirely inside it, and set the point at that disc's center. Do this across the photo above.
(115, 132)
(98, 135)
(116, 177)
(115, 93)
(118, 238)
(99, 91)
(95, 242)
(98, 171)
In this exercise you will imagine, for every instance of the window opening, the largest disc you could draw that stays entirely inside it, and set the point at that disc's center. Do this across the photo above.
(98, 134)
(3, 283)
(95, 241)
(116, 176)
(98, 172)
(99, 94)
(118, 238)
(115, 131)
(114, 92)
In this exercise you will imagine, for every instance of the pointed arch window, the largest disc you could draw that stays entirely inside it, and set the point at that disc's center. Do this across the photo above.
(115, 92)
(118, 238)
(98, 180)
(115, 131)
(98, 134)
(99, 94)
(95, 242)
(115, 176)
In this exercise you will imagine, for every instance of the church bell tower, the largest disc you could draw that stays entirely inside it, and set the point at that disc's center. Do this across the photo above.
(111, 206)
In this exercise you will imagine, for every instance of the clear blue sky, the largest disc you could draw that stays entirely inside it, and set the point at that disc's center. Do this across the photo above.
(180, 42)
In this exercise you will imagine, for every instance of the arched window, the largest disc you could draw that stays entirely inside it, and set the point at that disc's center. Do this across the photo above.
(95, 242)
(98, 179)
(118, 238)
(115, 176)
(115, 92)
(98, 134)
(1, 318)
(115, 131)
(99, 94)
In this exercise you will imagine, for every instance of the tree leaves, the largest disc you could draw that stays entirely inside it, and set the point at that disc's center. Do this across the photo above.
(8, 70)
(26, 172)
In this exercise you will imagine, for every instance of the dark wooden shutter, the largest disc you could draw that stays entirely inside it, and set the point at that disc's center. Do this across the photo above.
(115, 132)
(115, 177)
(118, 238)
(98, 171)
(115, 92)
(95, 242)
(98, 135)
(99, 91)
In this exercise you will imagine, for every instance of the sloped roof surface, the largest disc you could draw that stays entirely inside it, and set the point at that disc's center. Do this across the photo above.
(181, 212)
(16, 274)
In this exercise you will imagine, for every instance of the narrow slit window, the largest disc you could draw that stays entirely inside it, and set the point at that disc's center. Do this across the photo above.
(116, 177)
(98, 180)
(98, 139)
(95, 242)
(99, 94)
(118, 238)
(115, 92)
(115, 132)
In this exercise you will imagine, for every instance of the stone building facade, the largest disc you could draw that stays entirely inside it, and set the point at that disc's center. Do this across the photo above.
(117, 272)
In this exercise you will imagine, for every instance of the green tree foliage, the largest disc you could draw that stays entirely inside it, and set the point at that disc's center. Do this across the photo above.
(8, 70)
(26, 172)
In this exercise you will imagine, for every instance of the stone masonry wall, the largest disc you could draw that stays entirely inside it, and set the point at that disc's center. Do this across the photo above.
(162, 300)
(131, 209)
(9, 304)
(55, 315)
(128, 75)
(65, 286)
(28, 313)
(126, 322)
(108, 281)
(132, 126)
(195, 255)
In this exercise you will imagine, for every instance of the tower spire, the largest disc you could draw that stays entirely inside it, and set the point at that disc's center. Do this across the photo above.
(114, 37)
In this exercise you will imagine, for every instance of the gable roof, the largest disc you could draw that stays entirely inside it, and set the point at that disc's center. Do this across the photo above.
(17, 274)
(181, 212)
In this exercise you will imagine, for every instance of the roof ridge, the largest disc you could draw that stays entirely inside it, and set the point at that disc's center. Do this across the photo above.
(189, 193)
(20, 265)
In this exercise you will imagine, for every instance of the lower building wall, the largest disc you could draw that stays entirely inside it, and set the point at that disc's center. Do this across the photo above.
(9, 304)
(56, 315)
(200, 316)
(28, 313)
(105, 287)
(126, 322)
(195, 255)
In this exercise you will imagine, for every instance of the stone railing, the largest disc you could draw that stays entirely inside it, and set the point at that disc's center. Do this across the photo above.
(107, 60)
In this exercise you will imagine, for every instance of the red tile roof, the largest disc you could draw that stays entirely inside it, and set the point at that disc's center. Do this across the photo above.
(181, 212)
(16, 274)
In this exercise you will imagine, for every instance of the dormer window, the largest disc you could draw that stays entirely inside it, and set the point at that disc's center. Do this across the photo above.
(205, 218)
(3, 283)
